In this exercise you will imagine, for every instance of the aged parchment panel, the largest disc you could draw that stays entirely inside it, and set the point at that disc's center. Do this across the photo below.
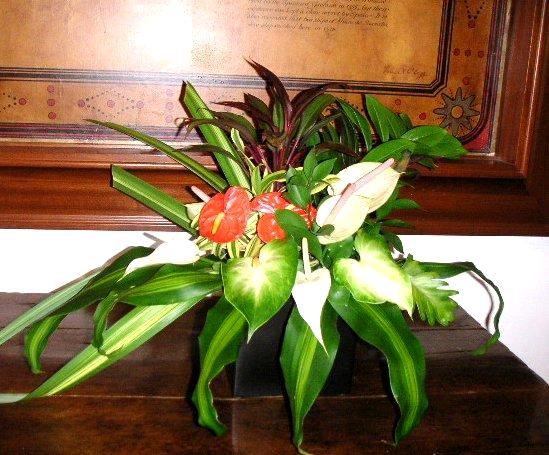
(62, 61)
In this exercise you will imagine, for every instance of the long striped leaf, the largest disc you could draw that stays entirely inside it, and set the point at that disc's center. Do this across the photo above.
(126, 335)
(42, 309)
(210, 177)
(37, 338)
(100, 316)
(306, 365)
(106, 280)
(384, 327)
(219, 342)
(174, 283)
(152, 197)
(215, 136)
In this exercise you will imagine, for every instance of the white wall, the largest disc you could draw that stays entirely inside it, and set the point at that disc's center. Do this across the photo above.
(41, 261)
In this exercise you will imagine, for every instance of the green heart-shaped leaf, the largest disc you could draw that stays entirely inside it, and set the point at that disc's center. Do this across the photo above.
(259, 287)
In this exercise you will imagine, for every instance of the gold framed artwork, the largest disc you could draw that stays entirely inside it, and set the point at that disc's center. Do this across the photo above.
(444, 62)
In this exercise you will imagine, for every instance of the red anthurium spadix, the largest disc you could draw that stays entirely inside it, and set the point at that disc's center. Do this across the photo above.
(223, 218)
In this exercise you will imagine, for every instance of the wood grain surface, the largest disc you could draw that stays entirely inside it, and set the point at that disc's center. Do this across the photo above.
(478, 405)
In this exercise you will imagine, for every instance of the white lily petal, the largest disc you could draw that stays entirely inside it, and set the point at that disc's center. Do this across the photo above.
(378, 190)
(310, 293)
(347, 221)
(180, 250)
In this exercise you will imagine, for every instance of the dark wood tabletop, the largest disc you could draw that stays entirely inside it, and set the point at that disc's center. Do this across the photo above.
(491, 404)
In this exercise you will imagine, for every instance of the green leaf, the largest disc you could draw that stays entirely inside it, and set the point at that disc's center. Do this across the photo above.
(299, 195)
(215, 136)
(126, 335)
(174, 283)
(152, 197)
(42, 309)
(309, 164)
(338, 250)
(100, 316)
(306, 365)
(278, 115)
(223, 333)
(435, 141)
(397, 223)
(393, 240)
(270, 179)
(375, 278)
(447, 270)
(210, 177)
(327, 229)
(106, 281)
(322, 170)
(433, 303)
(255, 180)
(311, 113)
(388, 125)
(259, 287)
(406, 121)
(391, 149)
(359, 121)
(397, 204)
(384, 327)
(37, 338)
(296, 228)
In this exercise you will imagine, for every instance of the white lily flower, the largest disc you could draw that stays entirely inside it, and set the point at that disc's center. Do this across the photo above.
(357, 191)
(178, 249)
(378, 190)
(348, 220)
(310, 292)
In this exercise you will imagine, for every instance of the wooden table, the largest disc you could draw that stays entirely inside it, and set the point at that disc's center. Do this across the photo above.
(492, 404)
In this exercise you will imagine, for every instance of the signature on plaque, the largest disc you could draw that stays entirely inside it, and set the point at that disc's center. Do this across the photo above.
(408, 70)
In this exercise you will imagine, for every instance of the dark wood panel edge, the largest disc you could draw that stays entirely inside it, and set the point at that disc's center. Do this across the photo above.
(81, 157)
(84, 200)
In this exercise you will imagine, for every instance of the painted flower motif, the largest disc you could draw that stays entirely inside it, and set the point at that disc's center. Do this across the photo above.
(267, 204)
(223, 218)
(178, 249)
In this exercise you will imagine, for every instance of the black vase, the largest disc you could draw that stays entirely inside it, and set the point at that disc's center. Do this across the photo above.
(258, 371)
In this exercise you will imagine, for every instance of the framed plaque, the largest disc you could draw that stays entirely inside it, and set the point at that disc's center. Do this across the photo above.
(475, 67)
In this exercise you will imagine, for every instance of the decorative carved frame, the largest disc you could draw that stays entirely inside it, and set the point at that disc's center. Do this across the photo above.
(68, 187)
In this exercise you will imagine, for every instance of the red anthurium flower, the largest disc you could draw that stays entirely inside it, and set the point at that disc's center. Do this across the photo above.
(308, 215)
(223, 218)
(268, 229)
(268, 203)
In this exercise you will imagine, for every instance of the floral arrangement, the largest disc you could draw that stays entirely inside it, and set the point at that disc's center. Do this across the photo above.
(300, 213)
